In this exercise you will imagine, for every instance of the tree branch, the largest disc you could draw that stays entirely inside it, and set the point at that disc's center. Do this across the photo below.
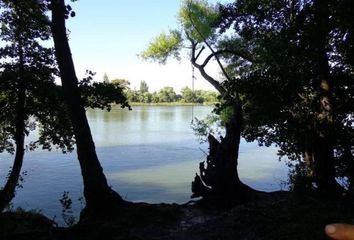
(202, 71)
(215, 53)
(210, 48)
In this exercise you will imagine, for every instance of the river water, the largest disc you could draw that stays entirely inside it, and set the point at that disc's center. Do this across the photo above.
(148, 154)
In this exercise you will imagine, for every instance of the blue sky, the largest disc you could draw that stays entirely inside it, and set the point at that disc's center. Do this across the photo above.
(107, 35)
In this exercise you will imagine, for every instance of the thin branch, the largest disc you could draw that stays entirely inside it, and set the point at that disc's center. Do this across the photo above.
(202, 71)
(209, 46)
(210, 79)
(200, 51)
(215, 53)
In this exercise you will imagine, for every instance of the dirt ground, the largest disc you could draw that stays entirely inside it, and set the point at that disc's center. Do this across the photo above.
(275, 216)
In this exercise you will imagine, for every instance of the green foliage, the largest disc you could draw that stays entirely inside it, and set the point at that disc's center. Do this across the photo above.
(155, 98)
(52, 120)
(101, 94)
(210, 125)
(45, 107)
(66, 212)
(19, 184)
(187, 95)
(43, 104)
(164, 46)
(225, 113)
(198, 19)
(132, 95)
(299, 180)
(167, 94)
(198, 96)
(145, 97)
(281, 88)
(144, 88)
(121, 83)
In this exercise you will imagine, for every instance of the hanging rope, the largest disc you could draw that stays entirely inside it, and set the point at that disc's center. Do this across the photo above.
(193, 95)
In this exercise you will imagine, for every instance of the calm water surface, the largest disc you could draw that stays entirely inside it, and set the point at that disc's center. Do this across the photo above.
(148, 154)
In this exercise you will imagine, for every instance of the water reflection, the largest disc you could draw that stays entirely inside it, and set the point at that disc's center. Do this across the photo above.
(144, 124)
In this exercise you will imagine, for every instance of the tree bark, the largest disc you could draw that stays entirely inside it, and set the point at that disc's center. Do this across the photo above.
(99, 196)
(309, 154)
(324, 122)
(219, 182)
(229, 182)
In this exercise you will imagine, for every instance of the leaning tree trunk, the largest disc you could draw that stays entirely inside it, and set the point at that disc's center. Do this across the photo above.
(218, 182)
(99, 196)
(8, 192)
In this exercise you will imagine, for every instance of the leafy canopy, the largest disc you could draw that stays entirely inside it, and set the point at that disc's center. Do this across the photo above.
(164, 46)
(197, 20)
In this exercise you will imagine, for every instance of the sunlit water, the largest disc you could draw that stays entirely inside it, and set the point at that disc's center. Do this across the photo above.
(148, 154)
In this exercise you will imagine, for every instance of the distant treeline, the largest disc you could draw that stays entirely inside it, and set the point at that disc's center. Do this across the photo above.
(165, 94)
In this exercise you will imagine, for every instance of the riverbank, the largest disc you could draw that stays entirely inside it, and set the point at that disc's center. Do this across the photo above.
(275, 216)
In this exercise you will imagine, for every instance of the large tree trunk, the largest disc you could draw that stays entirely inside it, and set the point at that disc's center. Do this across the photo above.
(219, 182)
(99, 196)
(8, 192)
(324, 122)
